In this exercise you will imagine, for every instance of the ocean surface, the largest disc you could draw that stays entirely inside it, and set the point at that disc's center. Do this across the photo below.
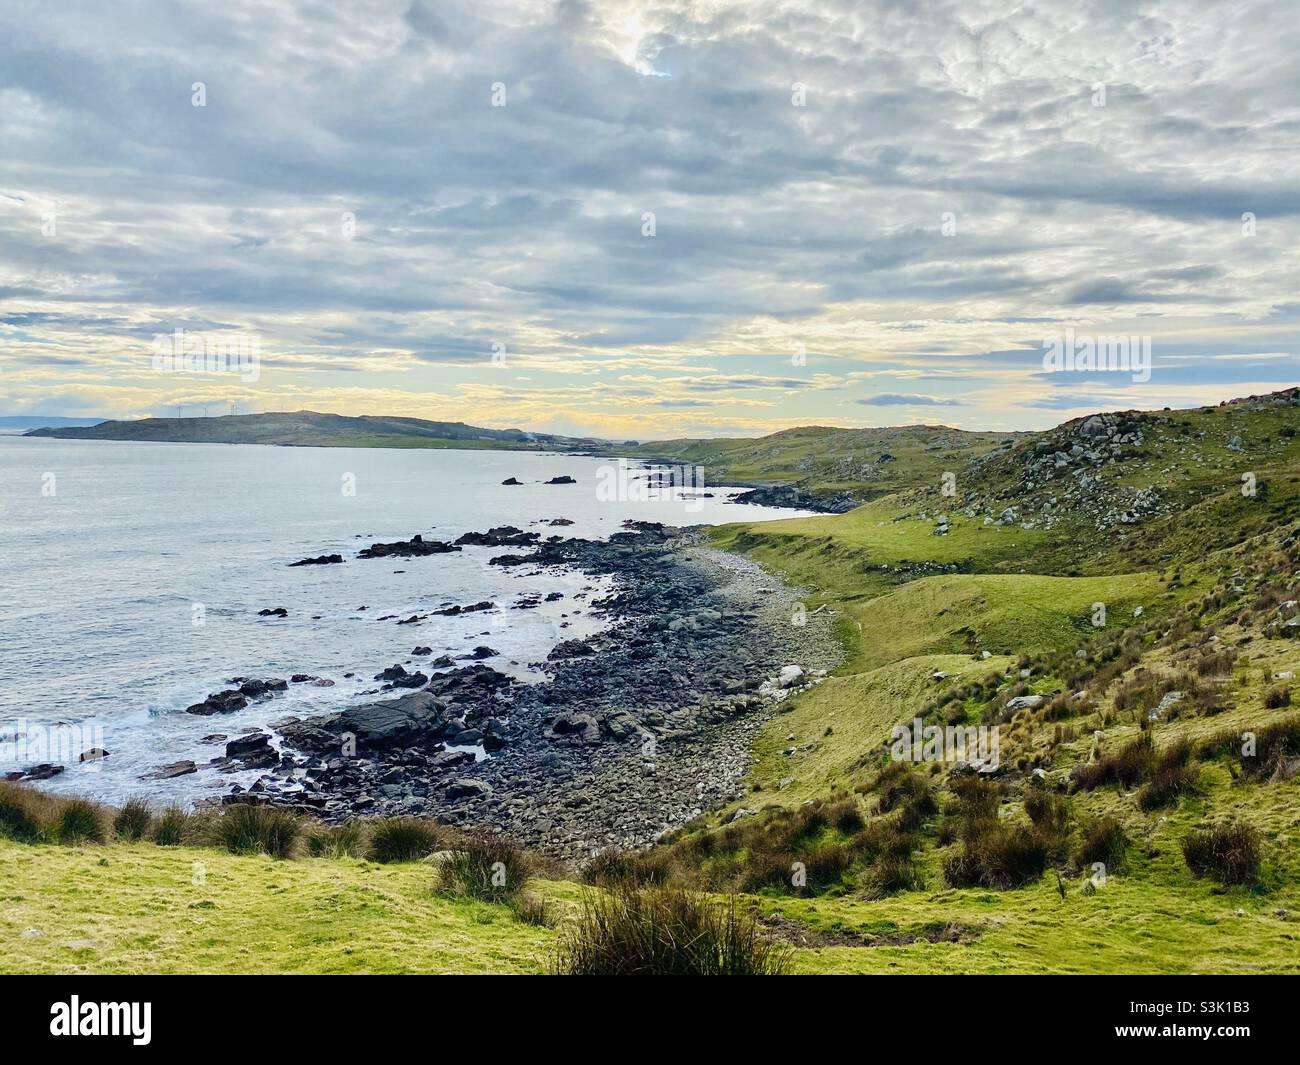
(133, 573)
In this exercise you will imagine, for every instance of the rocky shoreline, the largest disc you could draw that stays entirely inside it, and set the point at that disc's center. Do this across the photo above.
(631, 732)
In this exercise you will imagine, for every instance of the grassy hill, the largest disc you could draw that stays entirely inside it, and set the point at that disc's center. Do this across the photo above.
(310, 429)
(860, 464)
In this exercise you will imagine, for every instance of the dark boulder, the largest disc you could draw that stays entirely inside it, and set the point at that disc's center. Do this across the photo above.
(226, 702)
(319, 560)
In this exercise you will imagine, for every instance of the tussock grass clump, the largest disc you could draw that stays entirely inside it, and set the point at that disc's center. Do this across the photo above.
(248, 829)
(347, 840)
(81, 821)
(1228, 853)
(665, 932)
(533, 910)
(997, 856)
(404, 839)
(487, 867)
(613, 866)
(1105, 842)
(1277, 697)
(1128, 766)
(19, 819)
(133, 820)
(1049, 812)
(170, 829)
(889, 875)
(1261, 750)
(1171, 777)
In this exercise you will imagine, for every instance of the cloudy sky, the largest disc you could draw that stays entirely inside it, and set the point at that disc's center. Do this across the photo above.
(682, 218)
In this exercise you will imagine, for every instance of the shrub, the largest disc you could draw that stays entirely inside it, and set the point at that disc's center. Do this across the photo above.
(81, 821)
(133, 821)
(1278, 697)
(404, 839)
(1104, 842)
(487, 867)
(1228, 853)
(665, 932)
(248, 829)
(998, 857)
(347, 840)
(170, 828)
(17, 817)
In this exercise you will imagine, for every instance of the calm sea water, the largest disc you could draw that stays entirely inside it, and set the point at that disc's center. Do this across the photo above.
(133, 574)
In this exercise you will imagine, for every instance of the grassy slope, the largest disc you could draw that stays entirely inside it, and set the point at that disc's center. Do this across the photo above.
(827, 460)
(133, 908)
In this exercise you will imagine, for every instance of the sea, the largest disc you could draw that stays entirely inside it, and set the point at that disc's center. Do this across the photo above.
(132, 576)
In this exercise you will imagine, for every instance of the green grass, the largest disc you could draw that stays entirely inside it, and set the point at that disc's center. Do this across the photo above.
(137, 908)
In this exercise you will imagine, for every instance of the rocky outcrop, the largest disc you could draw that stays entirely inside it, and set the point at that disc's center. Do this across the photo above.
(417, 546)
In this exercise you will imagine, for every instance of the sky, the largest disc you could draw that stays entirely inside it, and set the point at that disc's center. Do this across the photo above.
(647, 220)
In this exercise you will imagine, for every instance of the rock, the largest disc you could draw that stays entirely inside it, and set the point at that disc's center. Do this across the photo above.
(44, 771)
(259, 689)
(562, 479)
(468, 788)
(501, 536)
(570, 649)
(1024, 702)
(789, 676)
(92, 755)
(174, 769)
(1170, 700)
(254, 750)
(421, 650)
(481, 652)
(276, 612)
(393, 722)
(415, 547)
(226, 702)
(319, 560)
(512, 480)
